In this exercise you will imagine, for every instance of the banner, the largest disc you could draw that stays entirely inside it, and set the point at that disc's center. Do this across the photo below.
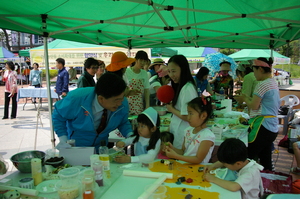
(76, 56)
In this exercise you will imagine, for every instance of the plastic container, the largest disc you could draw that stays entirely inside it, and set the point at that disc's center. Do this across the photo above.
(97, 167)
(68, 191)
(69, 176)
(106, 164)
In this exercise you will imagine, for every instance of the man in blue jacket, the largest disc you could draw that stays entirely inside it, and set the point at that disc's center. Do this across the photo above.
(62, 82)
(79, 114)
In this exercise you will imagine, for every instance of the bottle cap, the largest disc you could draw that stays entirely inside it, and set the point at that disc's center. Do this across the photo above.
(102, 143)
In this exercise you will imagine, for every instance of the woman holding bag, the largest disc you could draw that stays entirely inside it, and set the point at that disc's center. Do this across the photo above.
(263, 128)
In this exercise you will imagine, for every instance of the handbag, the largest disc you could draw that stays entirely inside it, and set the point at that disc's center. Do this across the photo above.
(254, 127)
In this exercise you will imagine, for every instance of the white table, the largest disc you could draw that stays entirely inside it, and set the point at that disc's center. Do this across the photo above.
(30, 92)
(128, 187)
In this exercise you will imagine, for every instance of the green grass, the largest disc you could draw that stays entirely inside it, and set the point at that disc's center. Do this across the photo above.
(292, 68)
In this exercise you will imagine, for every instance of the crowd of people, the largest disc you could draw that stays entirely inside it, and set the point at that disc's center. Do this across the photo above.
(127, 86)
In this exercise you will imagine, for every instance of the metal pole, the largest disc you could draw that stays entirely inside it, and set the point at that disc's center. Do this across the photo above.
(48, 90)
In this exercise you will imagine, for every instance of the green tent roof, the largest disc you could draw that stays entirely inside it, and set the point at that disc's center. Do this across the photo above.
(158, 23)
(250, 54)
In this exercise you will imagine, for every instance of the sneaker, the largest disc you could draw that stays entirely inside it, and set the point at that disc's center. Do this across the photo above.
(295, 170)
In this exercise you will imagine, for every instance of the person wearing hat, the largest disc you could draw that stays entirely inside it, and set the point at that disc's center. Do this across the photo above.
(137, 78)
(264, 126)
(91, 66)
(146, 139)
(156, 81)
(89, 114)
(223, 80)
(118, 65)
(155, 66)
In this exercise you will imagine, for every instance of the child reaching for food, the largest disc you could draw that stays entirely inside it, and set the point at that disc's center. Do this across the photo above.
(166, 138)
(232, 154)
(146, 139)
(198, 141)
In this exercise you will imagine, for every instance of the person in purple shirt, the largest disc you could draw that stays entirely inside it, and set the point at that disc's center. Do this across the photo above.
(62, 82)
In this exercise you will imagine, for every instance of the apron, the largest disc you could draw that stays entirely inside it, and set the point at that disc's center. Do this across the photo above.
(254, 127)
(136, 105)
(139, 149)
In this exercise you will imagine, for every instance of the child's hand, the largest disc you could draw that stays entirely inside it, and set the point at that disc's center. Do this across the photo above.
(208, 177)
(123, 159)
(166, 144)
(208, 168)
(170, 152)
(120, 144)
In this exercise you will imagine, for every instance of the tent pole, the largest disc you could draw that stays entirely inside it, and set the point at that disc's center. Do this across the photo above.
(46, 59)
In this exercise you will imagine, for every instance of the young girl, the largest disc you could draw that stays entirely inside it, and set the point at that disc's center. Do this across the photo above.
(198, 139)
(165, 137)
(185, 90)
(137, 78)
(145, 139)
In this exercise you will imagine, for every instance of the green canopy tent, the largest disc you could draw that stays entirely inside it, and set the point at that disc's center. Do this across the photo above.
(156, 23)
(250, 54)
(163, 52)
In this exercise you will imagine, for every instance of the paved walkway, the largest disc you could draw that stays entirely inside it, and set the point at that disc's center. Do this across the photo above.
(19, 134)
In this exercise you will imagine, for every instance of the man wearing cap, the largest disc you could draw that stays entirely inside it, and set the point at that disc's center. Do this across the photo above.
(223, 79)
(89, 114)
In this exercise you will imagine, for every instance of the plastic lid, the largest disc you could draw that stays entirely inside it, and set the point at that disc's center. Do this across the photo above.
(102, 143)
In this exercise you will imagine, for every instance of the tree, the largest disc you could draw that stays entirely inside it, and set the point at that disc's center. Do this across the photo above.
(4, 36)
(227, 51)
(291, 50)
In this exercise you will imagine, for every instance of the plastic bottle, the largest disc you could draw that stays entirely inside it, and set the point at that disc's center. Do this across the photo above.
(222, 92)
(88, 189)
(104, 157)
(199, 92)
(103, 149)
(36, 170)
(97, 167)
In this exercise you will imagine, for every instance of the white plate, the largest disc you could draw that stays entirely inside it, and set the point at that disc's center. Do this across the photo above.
(47, 186)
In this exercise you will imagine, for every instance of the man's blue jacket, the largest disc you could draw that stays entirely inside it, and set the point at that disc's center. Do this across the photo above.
(73, 117)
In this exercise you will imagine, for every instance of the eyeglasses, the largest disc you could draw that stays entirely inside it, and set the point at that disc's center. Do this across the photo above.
(95, 68)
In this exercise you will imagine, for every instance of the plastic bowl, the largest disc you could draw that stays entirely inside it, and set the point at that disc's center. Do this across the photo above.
(55, 161)
(161, 110)
(22, 160)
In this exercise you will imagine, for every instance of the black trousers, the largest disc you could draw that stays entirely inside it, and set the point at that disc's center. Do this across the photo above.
(262, 147)
(14, 105)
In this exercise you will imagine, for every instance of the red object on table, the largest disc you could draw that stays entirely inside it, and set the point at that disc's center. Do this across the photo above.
(165, 94)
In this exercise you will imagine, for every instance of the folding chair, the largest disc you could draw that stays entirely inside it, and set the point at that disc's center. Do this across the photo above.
(291, 101)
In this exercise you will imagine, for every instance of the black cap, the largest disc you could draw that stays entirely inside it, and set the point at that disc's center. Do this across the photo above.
(102, 143)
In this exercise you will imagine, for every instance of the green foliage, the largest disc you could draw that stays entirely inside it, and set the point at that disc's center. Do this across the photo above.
(292, 68)
(227, 51)
(52, 73)
(292, 50)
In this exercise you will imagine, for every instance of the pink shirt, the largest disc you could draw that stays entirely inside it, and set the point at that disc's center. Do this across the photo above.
(10, 78)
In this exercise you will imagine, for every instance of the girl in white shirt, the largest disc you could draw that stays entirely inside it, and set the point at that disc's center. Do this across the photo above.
(146, 139)
(199, 141)
(137, 78)
(185, 90)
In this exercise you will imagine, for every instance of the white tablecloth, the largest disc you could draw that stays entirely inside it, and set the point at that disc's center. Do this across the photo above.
(38, 92)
